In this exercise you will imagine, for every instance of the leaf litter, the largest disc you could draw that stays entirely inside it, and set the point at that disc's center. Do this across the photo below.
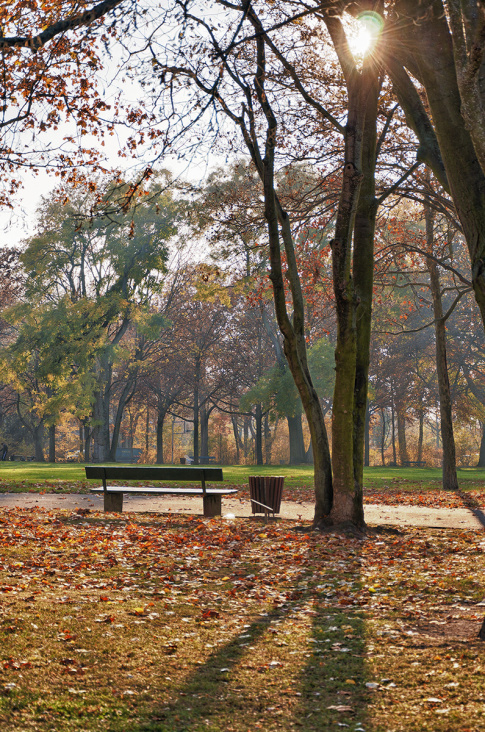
(147, 622)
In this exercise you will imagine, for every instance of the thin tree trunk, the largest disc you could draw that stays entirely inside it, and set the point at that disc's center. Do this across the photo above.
(450, 478)
(367, 437)
(383, 437)
(38, 435)
(125, 397)
(481, 456)
(393, 433)
(160, 422)
(52, 443)
(87, 443)
(196, 412)
(268, 439)
(401, 434)
(204, 430)
(258, 418)
(292, 329)
(419, 456)
(237, 439)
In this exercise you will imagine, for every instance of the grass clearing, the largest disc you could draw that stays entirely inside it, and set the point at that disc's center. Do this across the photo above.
(70, 478)
(170, 623)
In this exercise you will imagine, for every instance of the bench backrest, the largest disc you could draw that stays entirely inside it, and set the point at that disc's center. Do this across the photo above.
(152, 472)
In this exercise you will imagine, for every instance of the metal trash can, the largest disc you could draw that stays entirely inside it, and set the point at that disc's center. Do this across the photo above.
(265, 493)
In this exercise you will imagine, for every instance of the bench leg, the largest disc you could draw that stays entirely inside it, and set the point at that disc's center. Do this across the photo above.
(212, 505)
(113, 502)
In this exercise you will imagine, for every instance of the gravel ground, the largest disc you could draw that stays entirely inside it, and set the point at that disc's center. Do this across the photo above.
(455, 518)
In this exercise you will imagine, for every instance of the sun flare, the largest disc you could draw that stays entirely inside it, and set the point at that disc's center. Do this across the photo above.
(364, 32)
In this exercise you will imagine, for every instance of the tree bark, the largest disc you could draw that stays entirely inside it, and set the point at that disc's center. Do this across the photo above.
(383, 437)
(401, 434)
(481, 456)
(196, 410)
(259, 435)
(161, 414)
(125, 397)
(237, 439)
(367, 437)
(393, 432)
(52, 443)
(38, 435)
(293, 330)
(297, 445)
(204, 430)
(363, 273)
(450, 478)
(346, 441)
(419, 455)
(427, 49)
(101, 411)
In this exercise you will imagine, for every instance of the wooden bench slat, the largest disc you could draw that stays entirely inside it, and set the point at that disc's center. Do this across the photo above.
(173, 491)
(183, 473)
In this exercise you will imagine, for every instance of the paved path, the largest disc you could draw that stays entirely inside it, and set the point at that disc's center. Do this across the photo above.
(455, 518)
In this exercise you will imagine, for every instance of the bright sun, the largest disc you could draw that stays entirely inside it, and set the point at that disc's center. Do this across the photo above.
(363, 33)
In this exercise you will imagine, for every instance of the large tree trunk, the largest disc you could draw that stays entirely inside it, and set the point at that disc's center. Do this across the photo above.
(428, 51)
(353, 296)
(450, 478)
(363, 273)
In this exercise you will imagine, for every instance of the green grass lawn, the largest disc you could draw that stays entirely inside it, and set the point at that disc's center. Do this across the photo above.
(70, 477)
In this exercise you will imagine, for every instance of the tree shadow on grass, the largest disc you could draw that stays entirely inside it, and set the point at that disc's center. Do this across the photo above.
(320, 686)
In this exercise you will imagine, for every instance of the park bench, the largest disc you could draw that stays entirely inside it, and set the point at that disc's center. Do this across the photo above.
(414, 463)
(113, 495)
